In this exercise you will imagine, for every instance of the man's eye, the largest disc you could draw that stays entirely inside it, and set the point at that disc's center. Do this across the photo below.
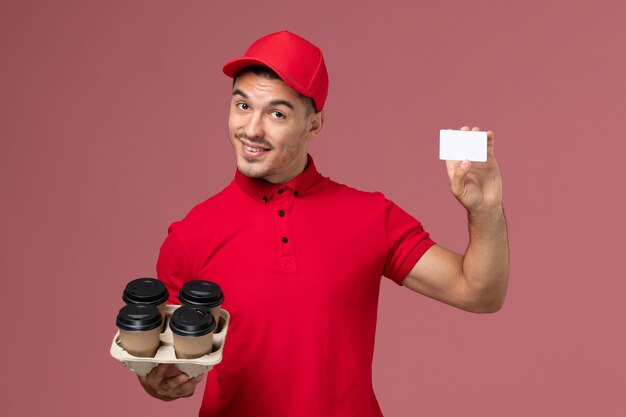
(243, 106)
(277, 115)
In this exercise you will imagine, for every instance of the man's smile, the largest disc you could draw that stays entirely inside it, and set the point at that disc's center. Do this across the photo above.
(252, 150)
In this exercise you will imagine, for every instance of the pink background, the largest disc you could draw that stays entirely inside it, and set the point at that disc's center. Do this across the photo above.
(113, 124)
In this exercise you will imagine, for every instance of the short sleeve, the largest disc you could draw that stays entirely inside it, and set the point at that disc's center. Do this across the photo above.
(407, 241)
(173, 267)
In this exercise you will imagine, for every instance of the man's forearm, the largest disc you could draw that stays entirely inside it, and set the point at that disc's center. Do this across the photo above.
(486, 260)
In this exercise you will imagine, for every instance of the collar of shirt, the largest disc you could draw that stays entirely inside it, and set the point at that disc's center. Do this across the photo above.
(263, 191)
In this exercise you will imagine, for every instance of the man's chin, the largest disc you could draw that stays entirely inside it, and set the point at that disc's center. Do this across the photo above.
(251, 161)
(251, 169)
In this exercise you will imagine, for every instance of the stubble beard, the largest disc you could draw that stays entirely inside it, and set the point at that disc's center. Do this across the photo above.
(253, 168)
(250, 167)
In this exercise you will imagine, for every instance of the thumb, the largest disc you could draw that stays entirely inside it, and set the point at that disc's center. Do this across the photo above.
(458, 177)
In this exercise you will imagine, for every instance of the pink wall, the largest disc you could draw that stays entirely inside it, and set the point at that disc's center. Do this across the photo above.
(113, 124)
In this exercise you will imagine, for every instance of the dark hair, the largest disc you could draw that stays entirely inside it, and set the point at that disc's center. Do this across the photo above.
(269, 73)
(259, 70)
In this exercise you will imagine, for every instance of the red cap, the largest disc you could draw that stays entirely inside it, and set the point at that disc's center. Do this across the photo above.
(297, 62)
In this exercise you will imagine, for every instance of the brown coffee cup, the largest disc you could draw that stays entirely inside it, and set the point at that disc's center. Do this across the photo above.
(203, 293)
(147, 291)
(192, 331)
(140, 327)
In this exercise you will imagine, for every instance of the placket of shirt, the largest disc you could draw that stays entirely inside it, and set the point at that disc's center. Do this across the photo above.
(283, 210)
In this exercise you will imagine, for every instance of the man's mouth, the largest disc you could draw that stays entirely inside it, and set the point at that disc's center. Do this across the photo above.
(254, 149)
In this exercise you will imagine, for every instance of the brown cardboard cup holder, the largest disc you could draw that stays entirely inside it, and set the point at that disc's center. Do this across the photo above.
(166, 354)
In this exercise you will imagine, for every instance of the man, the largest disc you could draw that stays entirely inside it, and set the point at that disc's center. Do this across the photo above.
(300, 257)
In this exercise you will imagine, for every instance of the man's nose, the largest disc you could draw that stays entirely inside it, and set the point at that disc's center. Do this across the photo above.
(254, 126)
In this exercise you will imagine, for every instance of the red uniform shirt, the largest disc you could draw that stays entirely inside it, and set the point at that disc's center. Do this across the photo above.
(300, 267)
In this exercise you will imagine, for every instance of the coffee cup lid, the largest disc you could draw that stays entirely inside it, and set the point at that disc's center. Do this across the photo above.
(145, 291)
(201, 293)
(139, 317)
(192, 321)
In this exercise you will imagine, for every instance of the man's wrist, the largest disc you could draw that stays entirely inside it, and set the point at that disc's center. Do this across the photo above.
(486, 211)
(486, 218)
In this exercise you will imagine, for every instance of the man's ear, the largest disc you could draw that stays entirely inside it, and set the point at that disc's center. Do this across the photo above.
(317, 122)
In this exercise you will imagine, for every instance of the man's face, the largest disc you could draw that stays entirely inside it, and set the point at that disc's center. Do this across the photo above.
(270, 126)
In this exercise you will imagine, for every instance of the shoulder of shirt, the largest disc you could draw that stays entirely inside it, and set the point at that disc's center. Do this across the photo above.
(202, 211)
(351, 192)
(340, 192)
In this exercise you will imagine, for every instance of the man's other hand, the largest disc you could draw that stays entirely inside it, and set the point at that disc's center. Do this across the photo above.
(166, 382)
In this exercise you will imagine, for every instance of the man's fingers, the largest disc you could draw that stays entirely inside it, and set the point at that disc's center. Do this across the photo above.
(155, 376)
(162, 372)
(473, 129)
(167, 382)
(490, 139)
(174, 382)
(171, 371)
(198, 378)
(187, 389)
(456, 182)
(166, 376)
(158, 372)
(192, 382)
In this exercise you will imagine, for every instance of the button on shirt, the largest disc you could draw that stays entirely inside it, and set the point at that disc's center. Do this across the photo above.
(300, 267)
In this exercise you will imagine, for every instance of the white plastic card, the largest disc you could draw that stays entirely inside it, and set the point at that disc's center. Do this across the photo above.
(457, 145)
